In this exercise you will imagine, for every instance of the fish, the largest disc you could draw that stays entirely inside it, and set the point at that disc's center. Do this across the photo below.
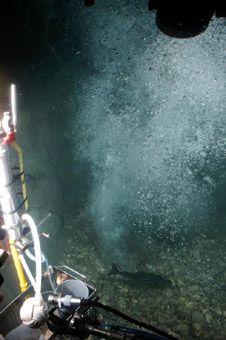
(147, 279)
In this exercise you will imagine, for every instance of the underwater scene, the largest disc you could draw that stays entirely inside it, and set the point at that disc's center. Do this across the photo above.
(123, 130)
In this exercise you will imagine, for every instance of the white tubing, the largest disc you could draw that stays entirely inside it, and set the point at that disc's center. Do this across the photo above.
(38, 260)
(27, 271)
(32, 257)
(44, 259)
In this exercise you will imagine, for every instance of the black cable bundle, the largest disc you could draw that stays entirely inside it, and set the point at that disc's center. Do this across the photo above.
(129, 319)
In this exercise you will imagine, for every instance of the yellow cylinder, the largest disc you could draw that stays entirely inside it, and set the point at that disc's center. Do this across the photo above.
(18, 266)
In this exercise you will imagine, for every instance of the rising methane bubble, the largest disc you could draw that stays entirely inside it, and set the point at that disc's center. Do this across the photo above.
(154, 140)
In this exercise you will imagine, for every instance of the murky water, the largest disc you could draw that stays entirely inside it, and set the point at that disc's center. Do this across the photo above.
(123, 130)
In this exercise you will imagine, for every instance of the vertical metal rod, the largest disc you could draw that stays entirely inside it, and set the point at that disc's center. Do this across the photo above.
(13, 104)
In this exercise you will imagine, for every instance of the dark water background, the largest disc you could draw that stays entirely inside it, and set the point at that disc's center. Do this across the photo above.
(123, 130)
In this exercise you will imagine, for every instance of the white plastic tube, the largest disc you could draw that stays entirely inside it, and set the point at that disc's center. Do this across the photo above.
(44, 259)
(32, 257)
(38, 258)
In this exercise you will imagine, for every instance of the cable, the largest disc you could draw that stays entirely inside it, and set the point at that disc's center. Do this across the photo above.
(127, 330)
(18, 208)
(15, 178)
(130, 319)
(18, 149)
(133, 331)
(120, 335)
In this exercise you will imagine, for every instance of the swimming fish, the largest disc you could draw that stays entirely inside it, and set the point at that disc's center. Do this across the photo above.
(146, 279)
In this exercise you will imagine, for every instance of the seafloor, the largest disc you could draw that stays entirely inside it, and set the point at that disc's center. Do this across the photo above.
(123, 131)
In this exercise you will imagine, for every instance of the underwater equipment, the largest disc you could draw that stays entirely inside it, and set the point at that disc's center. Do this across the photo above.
(183, 18)
(187, 18)
(74, 312)
(60, 297)
(10, 215)
(13, 223)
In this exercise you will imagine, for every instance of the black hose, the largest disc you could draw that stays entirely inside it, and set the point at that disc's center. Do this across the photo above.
(130, 319)
(142, 334)
(125, 334)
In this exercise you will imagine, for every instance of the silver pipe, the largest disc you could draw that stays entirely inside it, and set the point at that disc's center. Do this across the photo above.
(13, 104)
(10, 216)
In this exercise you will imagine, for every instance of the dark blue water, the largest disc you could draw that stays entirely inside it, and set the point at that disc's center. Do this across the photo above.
(123, 130)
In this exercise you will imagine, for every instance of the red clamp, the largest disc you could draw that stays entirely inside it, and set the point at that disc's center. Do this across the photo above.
(9, 138)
